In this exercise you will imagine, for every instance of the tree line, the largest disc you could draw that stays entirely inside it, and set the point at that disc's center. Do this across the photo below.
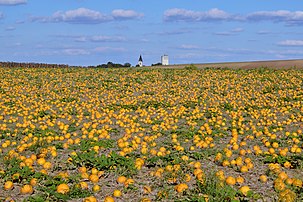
(113, 65)
(31, 65)
(45, 65)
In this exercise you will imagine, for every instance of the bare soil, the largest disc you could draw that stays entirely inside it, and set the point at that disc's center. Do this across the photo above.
(275, 64)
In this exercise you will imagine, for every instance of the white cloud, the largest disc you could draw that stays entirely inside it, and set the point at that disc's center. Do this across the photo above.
(126, 14)
(237, 30)
(215, 14)
(264, 32)
(12, 2)
(174, 32)
(102, 38)
(223, 33)
(91, 38)
(188, 47)
(109, 49)
(88, 16)
(74, 51)
(20, 21)
(268, 15)
(80, 15)
(17, 44)
(291, 43)
(77, 51)
(144, 40)
(229, 33)
(80, 39)
(95, 38)
(291, 18)
(10, 28)
(279, 16)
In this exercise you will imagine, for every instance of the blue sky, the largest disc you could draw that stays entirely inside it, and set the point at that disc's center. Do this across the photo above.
(91, 32)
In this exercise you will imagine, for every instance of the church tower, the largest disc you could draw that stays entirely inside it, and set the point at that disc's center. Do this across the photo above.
(140, 61)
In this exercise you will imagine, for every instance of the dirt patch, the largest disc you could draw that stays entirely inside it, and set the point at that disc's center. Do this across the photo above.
(275, 64)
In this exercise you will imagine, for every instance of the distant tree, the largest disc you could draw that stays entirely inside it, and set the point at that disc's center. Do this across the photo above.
(157, 64)
(110, 65)
(127, 64)
(191, 67)
(113, 65)
(117, 65)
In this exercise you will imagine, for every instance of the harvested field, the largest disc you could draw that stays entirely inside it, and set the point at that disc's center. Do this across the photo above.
(274, 64)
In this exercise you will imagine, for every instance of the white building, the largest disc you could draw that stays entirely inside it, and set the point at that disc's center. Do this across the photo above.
(164, 59)
(140, 61)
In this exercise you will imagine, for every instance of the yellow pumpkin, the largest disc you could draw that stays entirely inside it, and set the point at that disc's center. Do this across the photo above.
(63, 188)
(263, 178)
(181, 187)
(230, 180)
(117, 193)
(121, 179)
(90, 199)
(244, 190)
(94, 178)
(8, 185)
(109, 199)
(27, 189)
(96, 188)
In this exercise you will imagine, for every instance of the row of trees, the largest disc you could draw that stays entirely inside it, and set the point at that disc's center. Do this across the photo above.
(157, 64)
(31, 65)
(112, 65)
(44, 65)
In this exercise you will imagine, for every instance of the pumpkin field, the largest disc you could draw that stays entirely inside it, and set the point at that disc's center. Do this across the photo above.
(88, 134)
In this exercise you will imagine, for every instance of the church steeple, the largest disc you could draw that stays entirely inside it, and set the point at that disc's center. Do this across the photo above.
(140, 61)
